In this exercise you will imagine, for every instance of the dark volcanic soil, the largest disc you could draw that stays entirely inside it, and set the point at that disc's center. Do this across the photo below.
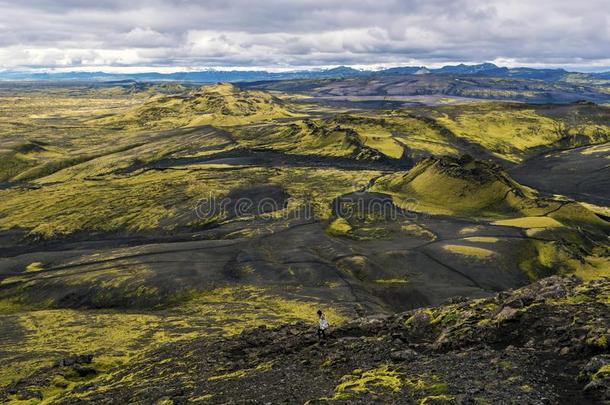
(543, 344)
(208, 258)
(580, 173)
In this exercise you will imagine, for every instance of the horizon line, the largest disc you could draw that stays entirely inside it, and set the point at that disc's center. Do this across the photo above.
(109, 69)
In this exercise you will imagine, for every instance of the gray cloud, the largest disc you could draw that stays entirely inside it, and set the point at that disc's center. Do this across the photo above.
(285, 33)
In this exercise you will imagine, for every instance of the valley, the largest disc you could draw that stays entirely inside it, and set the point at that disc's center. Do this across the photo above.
(154, 223)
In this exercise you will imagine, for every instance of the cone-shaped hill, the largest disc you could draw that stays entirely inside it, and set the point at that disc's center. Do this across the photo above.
(323, 137)
(468, 187)
(222, 104)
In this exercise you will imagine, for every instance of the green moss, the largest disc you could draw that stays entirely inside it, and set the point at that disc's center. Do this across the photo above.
(530, 222)
(243, 372)
(544, 258)
(391, 281)
(576, 214)
(327, 363)
(417, 230)
(11, 305)
(593, 268)
(447, 318)
(33, 267)
(576, 299)
(373, 381)
(428, 384)
(42, 336)
(604, 298)
(62, 384)
(600, 342)
(506, 364)
(470, 251)
(396, 133)
(201, 398)
(156, 200)
(436, 399)
(51, 167)
(509, 131)
(428, 187)
(12, 164)
(482, 239)
(255, 305)
(602, 373)
(339, 227)
(484, 322)
(419, 317)
(222, 104)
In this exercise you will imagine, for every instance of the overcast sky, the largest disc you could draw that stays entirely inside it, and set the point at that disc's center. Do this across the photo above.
(182, 34)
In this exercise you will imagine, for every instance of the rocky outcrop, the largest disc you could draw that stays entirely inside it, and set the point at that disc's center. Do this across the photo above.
(546, 343)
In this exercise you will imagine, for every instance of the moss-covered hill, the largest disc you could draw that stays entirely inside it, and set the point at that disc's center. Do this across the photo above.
(108, 246)
(222, 104)
(545, 343)
(471, 188)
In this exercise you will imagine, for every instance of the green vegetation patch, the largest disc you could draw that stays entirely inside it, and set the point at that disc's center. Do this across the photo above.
(338, 227)
(451, 187)
(602, 373)
(40, 337)
(386, 380)
(374, 381)
(511, 131)
(391, 281)
(243, 372)
(221, 104)
(471, 251)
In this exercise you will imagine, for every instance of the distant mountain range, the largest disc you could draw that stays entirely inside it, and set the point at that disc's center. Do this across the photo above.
(207, 76)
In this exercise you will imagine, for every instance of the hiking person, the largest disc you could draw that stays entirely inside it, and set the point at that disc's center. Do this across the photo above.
(322, 325)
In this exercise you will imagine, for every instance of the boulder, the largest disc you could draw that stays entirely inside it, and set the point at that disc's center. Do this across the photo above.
(507, 314)
(403, 355)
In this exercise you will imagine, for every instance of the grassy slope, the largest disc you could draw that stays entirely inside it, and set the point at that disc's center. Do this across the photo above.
(478, 190)
(222, 104)
(514, 131)
(473, 189)
(119, 336)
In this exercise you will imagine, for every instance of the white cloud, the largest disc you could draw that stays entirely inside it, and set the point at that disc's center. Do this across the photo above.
(272, 33)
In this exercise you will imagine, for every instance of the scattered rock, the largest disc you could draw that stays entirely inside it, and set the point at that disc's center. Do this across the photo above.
(26, 394)
(514, 347)
(72, 360)
(520, 301)
(403, 355)
(507, 314)
(594, 364)
(598, 389)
